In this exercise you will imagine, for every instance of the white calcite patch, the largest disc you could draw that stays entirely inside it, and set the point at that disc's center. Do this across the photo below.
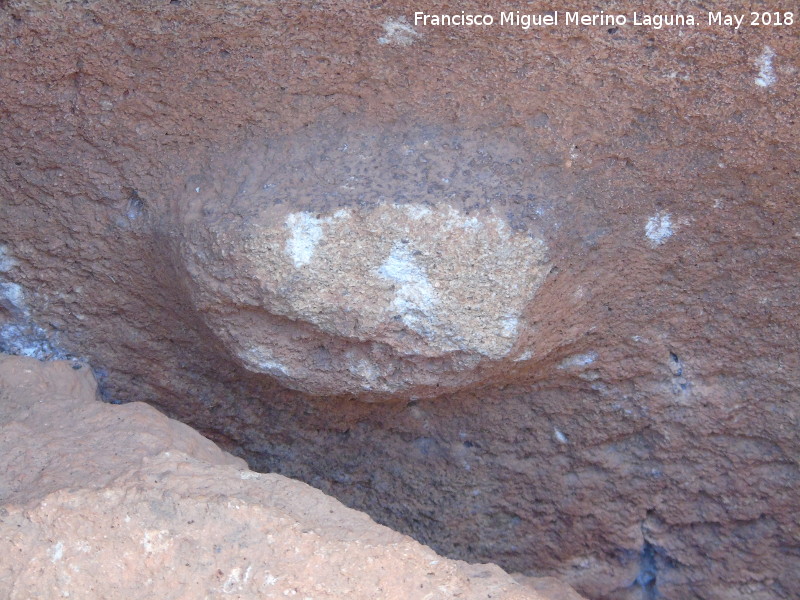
(28, 339)
(7, 262)
(658, 228)
(415, 297)
(260, 360)
(510, 326)
(235, 581)
(578, 361)
(56, 552)
(398, 32)
(766, 74)
(305, 232)
(155, 541)
(12, 294)
(527, 355)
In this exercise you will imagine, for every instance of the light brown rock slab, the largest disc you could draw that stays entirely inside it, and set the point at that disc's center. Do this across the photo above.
(103, 501)
(373, 278)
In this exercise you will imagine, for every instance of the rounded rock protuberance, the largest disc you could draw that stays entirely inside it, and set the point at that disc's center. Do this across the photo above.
(382, 299)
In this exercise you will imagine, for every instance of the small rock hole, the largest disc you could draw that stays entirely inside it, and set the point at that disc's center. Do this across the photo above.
(136, 206)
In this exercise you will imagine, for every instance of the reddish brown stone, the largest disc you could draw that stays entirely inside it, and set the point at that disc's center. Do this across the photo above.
(648, 447)
(108, 501)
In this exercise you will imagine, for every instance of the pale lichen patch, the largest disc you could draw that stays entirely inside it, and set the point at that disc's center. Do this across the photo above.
(415, 297)
(56, 552)
(259, 359)
(11, 294)
(658, 228)
(398, 32)
(527, 355)
(510, 326)
(305, 233)
(7, 262)
(766, 74)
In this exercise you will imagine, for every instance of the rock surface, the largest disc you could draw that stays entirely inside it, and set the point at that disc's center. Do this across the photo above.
(645, 445)
(331, 286)
(100, 501)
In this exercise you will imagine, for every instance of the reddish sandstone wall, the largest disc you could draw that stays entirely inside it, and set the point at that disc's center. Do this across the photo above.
(649, 443)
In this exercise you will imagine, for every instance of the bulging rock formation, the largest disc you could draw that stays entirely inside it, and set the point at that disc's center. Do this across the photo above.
(368, 276)
(170, 179)
(100, 501)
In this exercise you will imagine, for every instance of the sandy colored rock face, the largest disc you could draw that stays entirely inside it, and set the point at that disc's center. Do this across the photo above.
(640, 438)
(356, 293)
(383, 291)
(120, 502)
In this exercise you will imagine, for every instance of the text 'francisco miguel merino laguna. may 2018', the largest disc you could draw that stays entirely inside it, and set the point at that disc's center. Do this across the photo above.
(528, 21)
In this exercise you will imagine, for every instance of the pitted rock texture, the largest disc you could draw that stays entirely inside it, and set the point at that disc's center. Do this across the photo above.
(100, 501)
(645, 443)
(358, 294)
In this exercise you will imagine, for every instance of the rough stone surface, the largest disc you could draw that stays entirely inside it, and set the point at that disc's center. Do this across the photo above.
(329, 285)
(647, 443)
(100, 501)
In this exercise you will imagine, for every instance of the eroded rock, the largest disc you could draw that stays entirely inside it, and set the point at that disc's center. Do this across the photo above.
(389, 279)
(101, 501)
(647, 438)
